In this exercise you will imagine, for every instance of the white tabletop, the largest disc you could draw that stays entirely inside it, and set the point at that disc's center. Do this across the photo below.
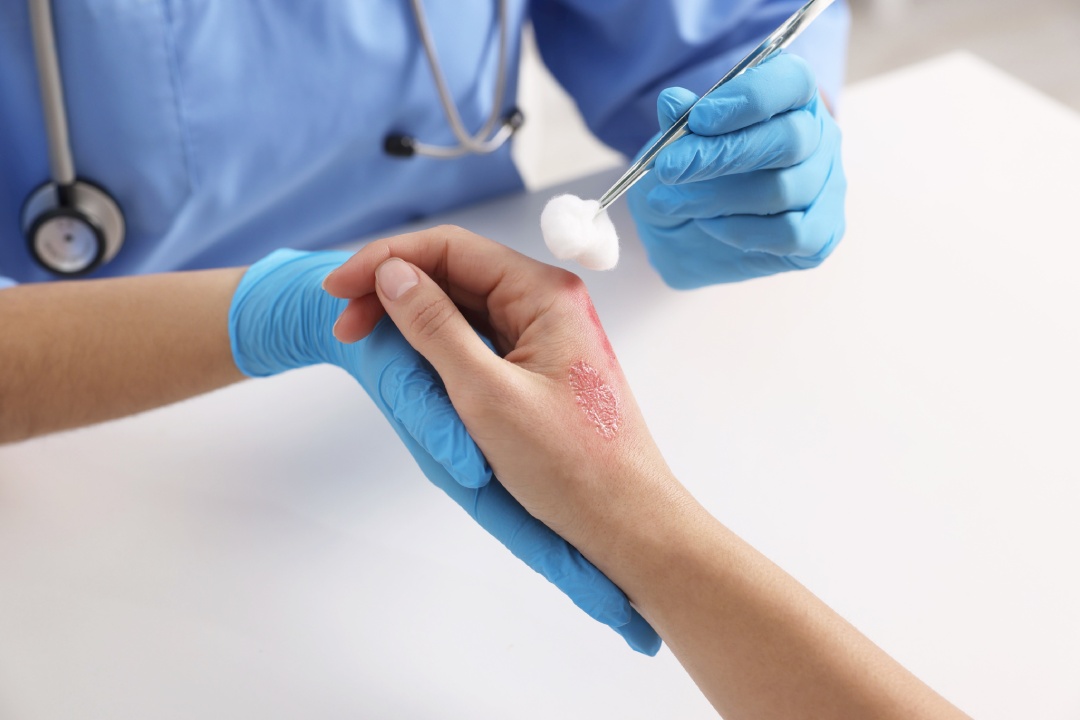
(898, 429)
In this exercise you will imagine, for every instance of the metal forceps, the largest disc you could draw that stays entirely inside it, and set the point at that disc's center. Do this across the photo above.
(777, 41)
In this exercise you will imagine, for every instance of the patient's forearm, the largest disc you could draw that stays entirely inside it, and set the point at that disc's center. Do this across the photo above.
(79, 352)
(757, 643)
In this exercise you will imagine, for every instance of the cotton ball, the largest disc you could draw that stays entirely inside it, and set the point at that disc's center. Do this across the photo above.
(575, 229)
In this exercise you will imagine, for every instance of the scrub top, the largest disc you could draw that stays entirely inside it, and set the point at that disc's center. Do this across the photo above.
(226, 129)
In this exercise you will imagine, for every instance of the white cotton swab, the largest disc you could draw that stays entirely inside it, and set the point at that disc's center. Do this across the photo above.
(576, 229)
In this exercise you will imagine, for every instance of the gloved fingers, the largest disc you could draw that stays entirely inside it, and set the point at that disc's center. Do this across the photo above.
(671, 104)
(417, 399)
(779, 235)
(783, 83)
(785, 140)
(639, 634)
(765, 192)
(825, 219)
(806, 237)
(686, 257)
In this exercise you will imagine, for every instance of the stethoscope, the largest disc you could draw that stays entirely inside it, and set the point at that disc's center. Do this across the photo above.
(486, 140)
(74, 226)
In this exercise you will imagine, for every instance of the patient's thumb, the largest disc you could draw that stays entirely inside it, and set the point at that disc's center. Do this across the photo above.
(431, 322)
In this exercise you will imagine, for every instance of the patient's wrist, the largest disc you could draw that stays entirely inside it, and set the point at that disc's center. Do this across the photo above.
(634, 527)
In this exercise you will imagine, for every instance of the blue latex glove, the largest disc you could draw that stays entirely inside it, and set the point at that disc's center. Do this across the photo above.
(281, 319)
(757, 189)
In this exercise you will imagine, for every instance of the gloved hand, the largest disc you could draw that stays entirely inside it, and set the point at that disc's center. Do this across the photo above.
(281, 319)
(757, 188)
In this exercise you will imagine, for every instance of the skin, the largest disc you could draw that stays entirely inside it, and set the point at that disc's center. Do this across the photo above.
(757, 643)
(111, 348)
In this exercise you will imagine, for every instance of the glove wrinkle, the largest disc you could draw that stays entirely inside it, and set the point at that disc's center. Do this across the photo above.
(419, 402)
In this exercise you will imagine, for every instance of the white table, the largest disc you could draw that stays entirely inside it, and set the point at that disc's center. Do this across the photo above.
(898, 429)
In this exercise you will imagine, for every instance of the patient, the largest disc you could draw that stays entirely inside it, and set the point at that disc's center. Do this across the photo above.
(560, 428)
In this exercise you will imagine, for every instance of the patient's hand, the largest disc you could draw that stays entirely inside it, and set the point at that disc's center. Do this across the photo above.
(556, 420)
(553, 415)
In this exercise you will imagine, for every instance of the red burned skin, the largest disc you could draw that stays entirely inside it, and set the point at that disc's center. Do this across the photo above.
(598, 400)
(584, 302)
(595, 319)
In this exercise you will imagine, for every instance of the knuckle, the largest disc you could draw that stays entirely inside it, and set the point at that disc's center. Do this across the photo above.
(570, 281)
(804, 136)
(755, 99)
(680, 279)
(814, 250)
(808, 133)
(805, 76)
(455, 234)
(668, 104)
(840, 178)
(450, 230)
(788, 233)
(570, 294)
(430, 318)
(794, 189)
(785, 191)
(819, 257)
(568, 285)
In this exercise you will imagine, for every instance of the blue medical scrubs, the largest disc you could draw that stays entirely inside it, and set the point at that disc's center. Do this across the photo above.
(229, 128)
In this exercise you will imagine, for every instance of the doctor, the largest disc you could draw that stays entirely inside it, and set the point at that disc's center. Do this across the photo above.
(144, 138)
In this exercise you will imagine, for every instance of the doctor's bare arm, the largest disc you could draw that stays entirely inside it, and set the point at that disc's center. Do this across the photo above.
(80, 352)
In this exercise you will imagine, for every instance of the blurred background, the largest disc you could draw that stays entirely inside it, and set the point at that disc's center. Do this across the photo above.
(1037, 41)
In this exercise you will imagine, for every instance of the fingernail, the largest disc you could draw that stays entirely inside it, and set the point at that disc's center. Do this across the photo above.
(395, 278)
(327, 278)
(333, 330)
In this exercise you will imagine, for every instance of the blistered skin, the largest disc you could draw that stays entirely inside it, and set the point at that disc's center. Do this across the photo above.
(598, 400)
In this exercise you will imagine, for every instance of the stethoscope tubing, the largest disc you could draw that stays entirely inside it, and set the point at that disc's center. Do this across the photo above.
(482, 142)
(61, 164)
(66, 198)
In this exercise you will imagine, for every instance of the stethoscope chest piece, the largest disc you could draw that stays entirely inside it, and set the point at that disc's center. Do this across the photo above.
(72, 226)
(72, 229)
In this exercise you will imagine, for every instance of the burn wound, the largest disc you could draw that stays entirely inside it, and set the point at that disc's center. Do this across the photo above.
(597, 399)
